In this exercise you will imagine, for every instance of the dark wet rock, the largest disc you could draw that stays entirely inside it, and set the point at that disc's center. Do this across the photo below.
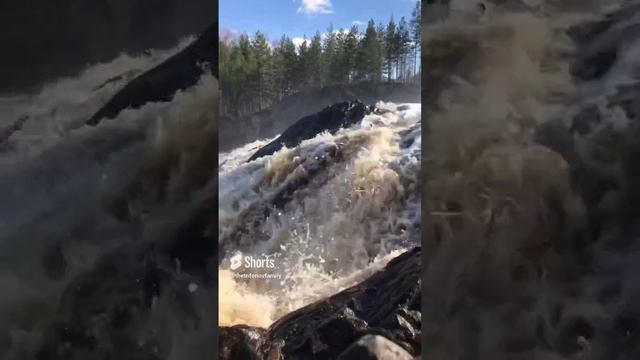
(387, 304)
(160, 84)
(409, 136)
(239, 342)
(374, 347)
(60, 40)
(404, 328)
(378, 318)
(239, 129)
(308, 175)
(406, 143)
(345, 324)
(331, 119)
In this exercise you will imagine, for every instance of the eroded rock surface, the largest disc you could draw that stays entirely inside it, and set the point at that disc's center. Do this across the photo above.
(179, 72)
(331, 119)
(374, 347)
(376, 317)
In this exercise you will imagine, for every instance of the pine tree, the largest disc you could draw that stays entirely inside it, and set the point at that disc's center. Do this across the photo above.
(261, 53)
(381, 30)
(403, 47)
(369, 63)
(224, 53)
(339, 63)
(416, 34)
(286, 62)
(349, 53)
(330, 49)
(239, 69)
(302, 68)
(391, 46)
(315, 60)
(254, 73)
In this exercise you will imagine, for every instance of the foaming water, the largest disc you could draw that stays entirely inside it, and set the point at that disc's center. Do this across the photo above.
(63, 106)
(351, 205)
(510, 270)
(58, 179)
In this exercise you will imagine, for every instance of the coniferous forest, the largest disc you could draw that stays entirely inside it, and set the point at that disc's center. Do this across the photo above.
(256, 72)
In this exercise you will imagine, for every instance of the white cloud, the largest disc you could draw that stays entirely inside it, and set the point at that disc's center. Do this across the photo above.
(228, 34)
(358, 22)
(299, 41)
(314, 7)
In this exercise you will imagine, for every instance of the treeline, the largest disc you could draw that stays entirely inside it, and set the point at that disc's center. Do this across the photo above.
(255, 73)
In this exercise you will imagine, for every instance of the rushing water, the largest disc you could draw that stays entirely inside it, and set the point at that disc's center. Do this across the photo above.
(355, 205)
(57, 179)
(523, 262)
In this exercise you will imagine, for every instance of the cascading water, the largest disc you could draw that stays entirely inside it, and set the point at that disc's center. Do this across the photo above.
(529, 180)
(62, 185)
(351, 204)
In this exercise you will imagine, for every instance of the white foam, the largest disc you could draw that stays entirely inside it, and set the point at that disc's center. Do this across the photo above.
(338, 229)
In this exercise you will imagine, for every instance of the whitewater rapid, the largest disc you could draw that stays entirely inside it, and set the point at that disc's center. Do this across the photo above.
(357, 208)
(58, 181)
(524, 258)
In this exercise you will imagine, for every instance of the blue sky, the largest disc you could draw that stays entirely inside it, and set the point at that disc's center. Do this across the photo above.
(296, 18)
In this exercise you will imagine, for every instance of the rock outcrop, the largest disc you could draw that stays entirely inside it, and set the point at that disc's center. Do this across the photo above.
(381, 315)
(239, 130)
(331, 119)
(51, 41)
(375, 347)
(179, 72)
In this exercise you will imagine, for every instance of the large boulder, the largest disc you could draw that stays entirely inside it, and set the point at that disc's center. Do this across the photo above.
(377, 317)
(239, 129)
(331, 119)
(159, 84)
(239, 342)
(385, 304)
(375, 347)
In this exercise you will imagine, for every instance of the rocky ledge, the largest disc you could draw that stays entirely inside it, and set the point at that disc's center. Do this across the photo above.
(331, 119)
(379, 318)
